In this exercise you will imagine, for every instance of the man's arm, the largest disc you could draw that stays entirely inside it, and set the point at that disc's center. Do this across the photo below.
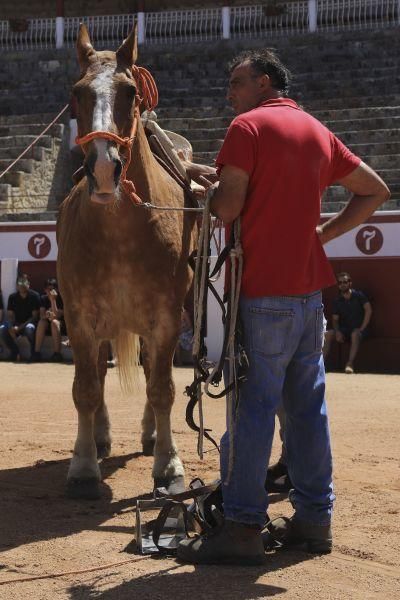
(230, 194)
(369, 192)
(367, 316)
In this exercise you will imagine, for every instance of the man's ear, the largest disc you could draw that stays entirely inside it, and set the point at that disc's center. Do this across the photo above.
(128, 51)
(85, 50)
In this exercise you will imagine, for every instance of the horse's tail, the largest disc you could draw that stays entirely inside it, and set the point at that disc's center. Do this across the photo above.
(127, 349)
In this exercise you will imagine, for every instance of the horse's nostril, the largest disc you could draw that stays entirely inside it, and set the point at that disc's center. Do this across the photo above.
(118, 170)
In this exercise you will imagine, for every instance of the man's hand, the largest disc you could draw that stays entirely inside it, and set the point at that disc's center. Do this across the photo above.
(201, 174)
(369, 192)
(321, 235)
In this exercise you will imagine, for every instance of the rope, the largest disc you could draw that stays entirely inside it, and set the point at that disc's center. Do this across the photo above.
(78, 572)
(200, 286)
(236, 256)
(34, 141)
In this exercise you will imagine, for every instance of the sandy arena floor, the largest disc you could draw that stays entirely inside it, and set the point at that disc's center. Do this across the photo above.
(42, 533)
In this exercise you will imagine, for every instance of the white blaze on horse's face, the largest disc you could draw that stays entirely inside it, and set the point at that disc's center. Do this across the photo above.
(106, 168)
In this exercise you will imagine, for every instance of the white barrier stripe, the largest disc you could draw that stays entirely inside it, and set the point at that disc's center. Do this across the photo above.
(191, 25)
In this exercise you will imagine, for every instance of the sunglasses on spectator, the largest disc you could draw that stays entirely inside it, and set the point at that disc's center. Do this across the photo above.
(344, 281)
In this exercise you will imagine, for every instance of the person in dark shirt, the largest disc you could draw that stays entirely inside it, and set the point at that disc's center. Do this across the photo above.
(22, 314)
(51, 320)
(350, 319)
(1, 307)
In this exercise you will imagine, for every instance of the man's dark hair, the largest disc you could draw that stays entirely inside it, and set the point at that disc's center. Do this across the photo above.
(265, 62)
(51, 281)
(343, 274)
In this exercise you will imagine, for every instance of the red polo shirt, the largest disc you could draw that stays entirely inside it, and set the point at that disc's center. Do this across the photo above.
(291, 158)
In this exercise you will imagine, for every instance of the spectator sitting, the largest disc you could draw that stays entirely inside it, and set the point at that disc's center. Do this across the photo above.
(51, 320)
(350, 319)
(22, 314)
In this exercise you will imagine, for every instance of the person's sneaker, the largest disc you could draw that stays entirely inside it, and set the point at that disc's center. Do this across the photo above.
(36, 357)
(56, 357)
(289, 533)
(231, 544)
(278, 480)
(349, 370)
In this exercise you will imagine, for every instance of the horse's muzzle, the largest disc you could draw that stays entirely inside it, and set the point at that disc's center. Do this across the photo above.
(103, 177)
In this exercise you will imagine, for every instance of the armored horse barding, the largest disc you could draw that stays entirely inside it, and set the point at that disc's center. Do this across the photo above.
(122, 268)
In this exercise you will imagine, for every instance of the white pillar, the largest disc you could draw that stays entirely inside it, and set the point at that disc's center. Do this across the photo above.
(141, 28)
(226, 23)
(59, 32)
(9, 271)
(312, 15)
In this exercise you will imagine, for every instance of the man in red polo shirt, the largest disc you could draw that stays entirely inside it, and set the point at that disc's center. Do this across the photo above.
(275, 163)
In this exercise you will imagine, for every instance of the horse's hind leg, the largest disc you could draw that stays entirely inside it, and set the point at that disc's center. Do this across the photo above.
(84, 473)
(168, 469)
(102, 435)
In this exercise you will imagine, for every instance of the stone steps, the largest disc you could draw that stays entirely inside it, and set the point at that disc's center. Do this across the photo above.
(35, 129)
(349, 81)
(334, 119)
(202, 107)
(14, 151)
(40, 119)
(24, 141)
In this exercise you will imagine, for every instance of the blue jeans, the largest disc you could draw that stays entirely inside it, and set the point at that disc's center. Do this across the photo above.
(28, 331)
(283, 339)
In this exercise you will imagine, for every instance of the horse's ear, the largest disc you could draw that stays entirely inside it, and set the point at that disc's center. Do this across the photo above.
(84, 47)
(128, 51)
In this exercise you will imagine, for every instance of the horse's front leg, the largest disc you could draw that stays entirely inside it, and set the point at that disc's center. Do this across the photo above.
(149, 419)
(84, 472)
(102, 436)
(168, 469)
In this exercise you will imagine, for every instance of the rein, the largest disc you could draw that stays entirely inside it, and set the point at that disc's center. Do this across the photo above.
(148, 89)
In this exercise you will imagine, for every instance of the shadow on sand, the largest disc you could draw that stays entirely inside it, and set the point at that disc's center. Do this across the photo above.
(33, 506)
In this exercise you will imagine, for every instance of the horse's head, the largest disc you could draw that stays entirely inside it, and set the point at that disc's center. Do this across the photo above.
(106, 95)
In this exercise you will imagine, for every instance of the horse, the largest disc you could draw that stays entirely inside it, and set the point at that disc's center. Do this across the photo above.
(122, 268)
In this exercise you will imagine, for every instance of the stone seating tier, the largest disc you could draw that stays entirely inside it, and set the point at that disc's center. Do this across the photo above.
(350, 81)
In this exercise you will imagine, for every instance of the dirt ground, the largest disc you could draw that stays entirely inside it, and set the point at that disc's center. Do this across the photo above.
(43, 533)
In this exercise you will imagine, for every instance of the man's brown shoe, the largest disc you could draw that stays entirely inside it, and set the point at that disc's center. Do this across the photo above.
(232, 544)
(289, 533)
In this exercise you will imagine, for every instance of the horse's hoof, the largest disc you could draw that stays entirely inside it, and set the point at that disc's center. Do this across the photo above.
(103, 450)
(148, 447)
(83, 489)
(174, 485)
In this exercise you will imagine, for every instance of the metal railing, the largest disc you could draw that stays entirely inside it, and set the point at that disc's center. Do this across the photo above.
(339, 15)
(282, 18)
(279, 20)
(187, 26)
(105, 30)
(36, 34)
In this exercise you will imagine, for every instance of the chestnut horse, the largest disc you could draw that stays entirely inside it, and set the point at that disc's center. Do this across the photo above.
(122, 269)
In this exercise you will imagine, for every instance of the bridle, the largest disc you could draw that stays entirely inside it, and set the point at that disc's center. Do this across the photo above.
(149, 95)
